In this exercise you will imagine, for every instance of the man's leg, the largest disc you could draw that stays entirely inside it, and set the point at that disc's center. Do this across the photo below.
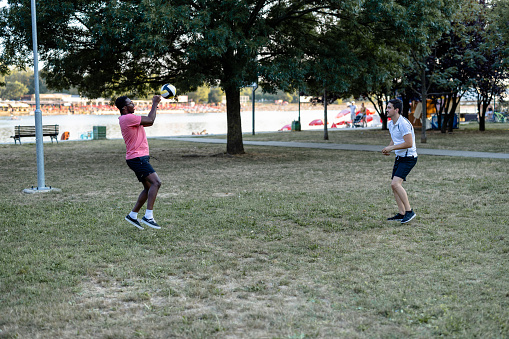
(154, 183)
(151, 184)
(142, 198)
(132, 217)
(400, 195)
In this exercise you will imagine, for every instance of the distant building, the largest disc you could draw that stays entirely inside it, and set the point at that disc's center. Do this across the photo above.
(8, 108)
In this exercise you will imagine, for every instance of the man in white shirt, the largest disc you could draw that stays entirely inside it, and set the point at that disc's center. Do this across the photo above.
(353, 114)
(403, 145)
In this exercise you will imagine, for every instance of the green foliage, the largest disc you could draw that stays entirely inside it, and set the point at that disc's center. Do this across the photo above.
(201, 95)
(16, 84)
(278, 95)
(501, 18)
(3, 71)
(187, 44)
(13, 90)
(106, 48)
(215, 95)
(375, 47)
(491, 67)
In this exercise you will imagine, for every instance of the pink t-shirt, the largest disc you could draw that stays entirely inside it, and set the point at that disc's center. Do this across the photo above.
(136, 144)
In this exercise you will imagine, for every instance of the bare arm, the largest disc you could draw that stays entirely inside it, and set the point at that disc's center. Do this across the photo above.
(151, 117)
(407, 144)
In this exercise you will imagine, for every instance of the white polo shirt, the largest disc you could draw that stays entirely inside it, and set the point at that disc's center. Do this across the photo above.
(400, 129)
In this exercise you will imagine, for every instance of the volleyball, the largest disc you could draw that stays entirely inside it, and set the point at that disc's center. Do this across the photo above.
(168, 91)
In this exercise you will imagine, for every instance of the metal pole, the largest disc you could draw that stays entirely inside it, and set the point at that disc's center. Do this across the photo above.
(325, 130)
(299, 105)
(38, 114)
(254, 89)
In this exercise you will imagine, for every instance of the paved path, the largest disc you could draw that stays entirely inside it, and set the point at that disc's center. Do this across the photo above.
(347, 147)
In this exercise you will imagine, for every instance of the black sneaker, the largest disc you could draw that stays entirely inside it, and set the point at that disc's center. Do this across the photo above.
(150, 222)
(408, 216)
(397, 217)
(133, 221)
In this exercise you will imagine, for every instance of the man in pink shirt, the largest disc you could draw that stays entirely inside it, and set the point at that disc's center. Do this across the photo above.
(138, 158)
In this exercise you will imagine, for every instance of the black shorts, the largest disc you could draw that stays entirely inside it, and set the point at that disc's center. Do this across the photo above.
(403, 166)
(141, 167)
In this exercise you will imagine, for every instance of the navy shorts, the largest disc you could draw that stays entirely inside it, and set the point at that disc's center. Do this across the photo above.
(403, 166)
(141, 167)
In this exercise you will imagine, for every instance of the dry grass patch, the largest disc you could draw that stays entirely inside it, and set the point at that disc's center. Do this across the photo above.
(276, 243)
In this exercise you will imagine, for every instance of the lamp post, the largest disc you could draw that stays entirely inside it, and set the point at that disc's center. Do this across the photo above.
(254, 85)
(296, 123)
(41, 185)
(299, 105)
(325, 130)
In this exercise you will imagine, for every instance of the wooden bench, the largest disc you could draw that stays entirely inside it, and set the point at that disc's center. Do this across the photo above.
(29, 131)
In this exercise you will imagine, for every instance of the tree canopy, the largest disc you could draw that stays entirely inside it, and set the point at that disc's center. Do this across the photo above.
(107, 48)
(474, 55)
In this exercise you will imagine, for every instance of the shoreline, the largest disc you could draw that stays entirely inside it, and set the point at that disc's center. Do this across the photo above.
(194, 110)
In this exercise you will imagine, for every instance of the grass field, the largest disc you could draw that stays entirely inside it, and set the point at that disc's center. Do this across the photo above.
(276, 243)
(467, 138)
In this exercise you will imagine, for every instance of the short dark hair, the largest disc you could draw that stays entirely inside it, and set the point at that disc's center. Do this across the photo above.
(397, 104)
(120, 102)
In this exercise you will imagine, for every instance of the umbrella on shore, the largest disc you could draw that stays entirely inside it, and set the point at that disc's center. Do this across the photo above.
(316, 122)
(342, 113)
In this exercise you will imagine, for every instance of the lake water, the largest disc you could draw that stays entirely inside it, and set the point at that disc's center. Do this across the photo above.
(167, 124)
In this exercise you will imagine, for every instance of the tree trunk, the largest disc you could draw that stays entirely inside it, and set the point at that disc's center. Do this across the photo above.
(444, 111)
(438, 113)
(481, 108)
(325, 130)
(234, 144)
(452, 112)
(482, 122)
(383, 114)
(406, 103)
(379, 107)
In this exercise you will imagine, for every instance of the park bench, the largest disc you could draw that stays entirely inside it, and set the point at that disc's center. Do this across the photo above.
(29, 131)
